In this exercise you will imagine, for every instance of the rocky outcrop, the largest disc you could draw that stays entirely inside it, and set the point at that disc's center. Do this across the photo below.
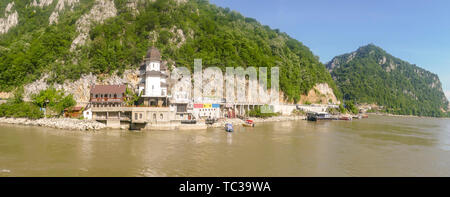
(321, 94)
(60, 6)
(80, 88)
(41, 3)
(102, 10)
(5, 95)
(10, 20)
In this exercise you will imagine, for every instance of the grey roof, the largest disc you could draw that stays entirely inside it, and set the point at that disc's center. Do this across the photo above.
(153, 54)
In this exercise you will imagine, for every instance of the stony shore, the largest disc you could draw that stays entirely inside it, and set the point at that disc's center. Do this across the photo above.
(84, 125)
(236, 121)
(58, 123)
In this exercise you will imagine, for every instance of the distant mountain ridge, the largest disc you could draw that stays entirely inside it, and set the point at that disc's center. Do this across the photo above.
(373, 76)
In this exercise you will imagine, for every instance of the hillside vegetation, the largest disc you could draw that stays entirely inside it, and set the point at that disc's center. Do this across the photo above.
(181, 30)
(371, 75)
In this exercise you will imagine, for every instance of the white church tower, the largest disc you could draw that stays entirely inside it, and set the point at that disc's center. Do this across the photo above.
(153, 86)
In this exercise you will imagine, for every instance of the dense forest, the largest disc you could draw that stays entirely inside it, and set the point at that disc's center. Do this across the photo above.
(182, 31)
(370, 75)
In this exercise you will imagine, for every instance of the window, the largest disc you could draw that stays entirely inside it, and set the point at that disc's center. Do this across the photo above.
(154, 116)
(161, 116)
(140, 116)
(135, 116)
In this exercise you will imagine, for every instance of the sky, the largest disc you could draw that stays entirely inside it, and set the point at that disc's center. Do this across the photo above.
(416, 31)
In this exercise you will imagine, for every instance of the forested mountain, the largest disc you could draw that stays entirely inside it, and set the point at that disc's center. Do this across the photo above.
(371, 75)
(68, 38)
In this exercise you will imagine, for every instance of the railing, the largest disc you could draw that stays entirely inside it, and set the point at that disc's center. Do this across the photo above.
(106, 100)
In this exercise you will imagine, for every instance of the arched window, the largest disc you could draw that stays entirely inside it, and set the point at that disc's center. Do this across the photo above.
(161, 116)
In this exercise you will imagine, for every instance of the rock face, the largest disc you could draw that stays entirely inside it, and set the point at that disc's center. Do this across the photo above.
(10, 20)
(60, 7)
(41, 3)
(81, 87)
(321, 94)
(102, 10)
(5, 95)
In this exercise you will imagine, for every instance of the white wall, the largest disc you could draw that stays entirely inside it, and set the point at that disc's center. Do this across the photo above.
(206, 112)
(87, 114)
(153, 86)
(153, 66)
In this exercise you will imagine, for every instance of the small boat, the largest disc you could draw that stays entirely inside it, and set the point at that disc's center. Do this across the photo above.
(315, 116)
(188, 122)
(210, 121)
(345, 118)
(357, 117)
(229, 127)
(249, 123)
(365, 116)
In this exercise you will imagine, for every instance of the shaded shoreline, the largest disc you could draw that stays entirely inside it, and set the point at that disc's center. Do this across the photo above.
(404, 116)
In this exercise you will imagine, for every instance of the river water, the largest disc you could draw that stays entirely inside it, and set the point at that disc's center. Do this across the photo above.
(378, 146)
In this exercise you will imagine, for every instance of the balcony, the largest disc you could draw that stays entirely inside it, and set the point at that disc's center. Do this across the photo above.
(106, 100)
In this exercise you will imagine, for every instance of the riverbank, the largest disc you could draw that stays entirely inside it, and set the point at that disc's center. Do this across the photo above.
(85, 125)
(237, 121)
(403, 116)
(57, 123)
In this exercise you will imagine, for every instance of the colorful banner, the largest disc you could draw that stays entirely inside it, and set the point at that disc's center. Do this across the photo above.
(207, 105)
(198, 105)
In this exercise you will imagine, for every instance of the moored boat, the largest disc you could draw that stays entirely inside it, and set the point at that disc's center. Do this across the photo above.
(345, 118)
(229, 127)
(249, 123)
(315, 116)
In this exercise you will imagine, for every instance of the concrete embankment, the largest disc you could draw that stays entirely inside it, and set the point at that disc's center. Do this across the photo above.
(58, 123)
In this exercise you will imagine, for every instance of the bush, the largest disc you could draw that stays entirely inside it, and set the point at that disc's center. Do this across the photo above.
(20, 110)
(350, 107)
(53, 99)
(258, 114)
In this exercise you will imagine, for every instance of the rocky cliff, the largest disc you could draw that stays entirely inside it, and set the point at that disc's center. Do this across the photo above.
(10, 19)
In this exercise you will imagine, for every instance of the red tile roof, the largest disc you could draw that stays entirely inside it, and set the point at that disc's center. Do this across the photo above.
(108, 89)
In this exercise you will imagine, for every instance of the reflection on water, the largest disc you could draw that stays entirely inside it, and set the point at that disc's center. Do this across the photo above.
(378, 146)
